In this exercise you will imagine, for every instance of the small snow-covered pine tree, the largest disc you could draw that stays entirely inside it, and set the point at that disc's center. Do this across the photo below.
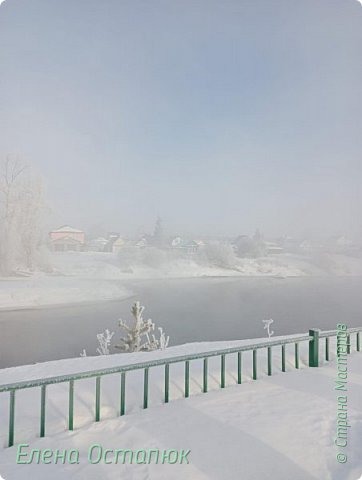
(139, 337)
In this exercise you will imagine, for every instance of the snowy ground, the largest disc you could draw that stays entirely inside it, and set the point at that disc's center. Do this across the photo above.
(84, 277)
(281, 427)
(42, 290)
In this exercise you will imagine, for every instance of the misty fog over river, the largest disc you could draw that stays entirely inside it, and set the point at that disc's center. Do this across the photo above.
(189, 310)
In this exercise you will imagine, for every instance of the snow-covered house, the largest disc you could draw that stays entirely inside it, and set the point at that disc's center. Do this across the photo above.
(67, 238)
(142, 242)
(273, 248)
(118, 245)
(111, 238)
(187, 246)
(176, 242)
(97, 244)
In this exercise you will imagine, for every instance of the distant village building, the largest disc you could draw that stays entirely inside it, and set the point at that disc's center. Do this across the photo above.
(118, 245)
(306, 246)
(289, 244)
(142, 242)
(66, 239)
(341, 244)
(176, 242)
(273, 248)
(111, 239)
(97, 244)
(186, 246)
(341, 241)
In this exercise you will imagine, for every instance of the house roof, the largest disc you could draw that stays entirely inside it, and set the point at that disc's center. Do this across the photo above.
(67, 229)
(66, 239)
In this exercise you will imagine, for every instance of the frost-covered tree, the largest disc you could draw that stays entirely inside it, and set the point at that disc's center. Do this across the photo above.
(33, 209)
(104, 340)
(10, 174)
(160, 343)
(22, 211)
(158, 238)
(267, 325)
(138, 333)
(250, 247)
(218, 255)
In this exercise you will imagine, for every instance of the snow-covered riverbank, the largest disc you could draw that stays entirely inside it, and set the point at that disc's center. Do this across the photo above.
(282, 426)
(93, 277)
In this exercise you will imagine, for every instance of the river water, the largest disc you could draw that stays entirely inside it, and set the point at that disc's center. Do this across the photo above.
(189, 310)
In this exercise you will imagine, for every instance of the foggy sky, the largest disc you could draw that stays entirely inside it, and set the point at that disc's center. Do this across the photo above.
(219, 116)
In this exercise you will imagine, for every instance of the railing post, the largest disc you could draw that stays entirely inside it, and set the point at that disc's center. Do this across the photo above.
(145, 388)
(98, 399)
(167, 381)
(239, 367)
(327, 349)
(314, 347)
(269, 361)
(71, 405)
(255, 364)
(11, 418)
(205, 376)
(42, 410)
(283, 358)
(222, 379)
(123, 393)
(187, 378)
(296, 354)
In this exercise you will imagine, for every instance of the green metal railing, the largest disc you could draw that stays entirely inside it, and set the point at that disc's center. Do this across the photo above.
(313, 337)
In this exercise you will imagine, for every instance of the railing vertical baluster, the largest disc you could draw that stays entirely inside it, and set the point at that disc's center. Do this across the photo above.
(71, 406)
(283, 358)
(327, 349)
(187, 378)
(222, 379)
(42, 410)
(314, 347)
(123, 394)
(98, 398)
(204, 389)
(145, 388)
(255, 364)
(167, 381)
(296, 355)
(239, 367)
(11, 418)
(312, 338)
(269, 361)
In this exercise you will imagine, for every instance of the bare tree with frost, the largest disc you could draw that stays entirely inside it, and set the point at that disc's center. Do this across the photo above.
(138, 334)
(104, 340)
(267, 324)
(22, 210)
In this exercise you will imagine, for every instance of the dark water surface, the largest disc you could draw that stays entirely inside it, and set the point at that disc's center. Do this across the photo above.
(189, 310)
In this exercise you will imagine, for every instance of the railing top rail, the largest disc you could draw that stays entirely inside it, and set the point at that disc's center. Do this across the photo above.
(167, 360)
(333, 333)
(151, 363)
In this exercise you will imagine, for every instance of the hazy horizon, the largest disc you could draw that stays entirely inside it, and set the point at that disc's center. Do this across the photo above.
(219, 117)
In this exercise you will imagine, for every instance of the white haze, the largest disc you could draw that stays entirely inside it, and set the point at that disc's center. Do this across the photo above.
(221, 117)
